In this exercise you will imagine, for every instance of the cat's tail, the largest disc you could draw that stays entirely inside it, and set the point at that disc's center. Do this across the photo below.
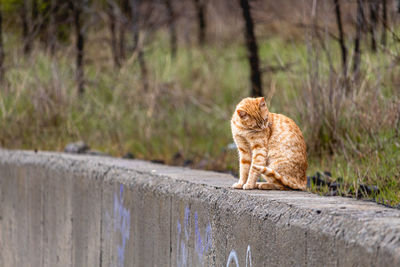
(268, 171)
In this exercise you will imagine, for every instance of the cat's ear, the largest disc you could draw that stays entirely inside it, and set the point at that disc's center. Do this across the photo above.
(263, 108)
(242, 114)
(262, 102)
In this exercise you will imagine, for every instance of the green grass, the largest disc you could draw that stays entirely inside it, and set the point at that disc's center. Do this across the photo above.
(190, 101)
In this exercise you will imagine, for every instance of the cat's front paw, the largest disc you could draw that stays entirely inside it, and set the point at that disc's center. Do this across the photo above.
(248, 186)
(237, 185)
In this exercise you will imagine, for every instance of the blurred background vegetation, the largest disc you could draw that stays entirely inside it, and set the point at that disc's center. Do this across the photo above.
(160, 79)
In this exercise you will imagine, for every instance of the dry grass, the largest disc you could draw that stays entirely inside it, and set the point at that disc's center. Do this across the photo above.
(351, 127)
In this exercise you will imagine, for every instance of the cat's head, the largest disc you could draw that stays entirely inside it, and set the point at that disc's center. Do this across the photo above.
(253, 113)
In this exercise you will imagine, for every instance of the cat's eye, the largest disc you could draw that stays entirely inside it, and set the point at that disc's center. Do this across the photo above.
(242, 114)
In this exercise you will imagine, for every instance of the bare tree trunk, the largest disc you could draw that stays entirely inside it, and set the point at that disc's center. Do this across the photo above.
(25, 28)
(201, 20)
(34, 21)
(52, 27)
(341, 37)
(1, 46)
(374, 11)
(252, 50)
(122, 22)
(135, 22)
(143, 70)
(112, 23)
(121, 39)
(357, 40)
(79, 45)
(135, 30)
(384, 23)
(171, 25)
(398, 6)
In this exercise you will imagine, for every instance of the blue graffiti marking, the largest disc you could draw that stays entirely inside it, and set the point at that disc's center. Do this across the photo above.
(122, 219)
(232, 256)
(248, 255)
(186, 222)
(202, 246)
(202, 243)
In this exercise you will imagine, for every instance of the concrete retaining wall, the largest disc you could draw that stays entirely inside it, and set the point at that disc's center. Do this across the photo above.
(62, 210)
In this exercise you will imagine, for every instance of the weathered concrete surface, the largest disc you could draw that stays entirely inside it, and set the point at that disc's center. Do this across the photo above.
(62, 210)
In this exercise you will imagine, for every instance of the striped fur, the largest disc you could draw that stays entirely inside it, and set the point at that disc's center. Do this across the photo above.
(266, 171)
(269, 144)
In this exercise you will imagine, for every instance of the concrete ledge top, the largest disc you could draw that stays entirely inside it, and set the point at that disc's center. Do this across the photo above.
(362, 222)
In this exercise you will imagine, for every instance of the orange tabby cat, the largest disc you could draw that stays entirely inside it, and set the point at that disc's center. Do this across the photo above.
(269, 144)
